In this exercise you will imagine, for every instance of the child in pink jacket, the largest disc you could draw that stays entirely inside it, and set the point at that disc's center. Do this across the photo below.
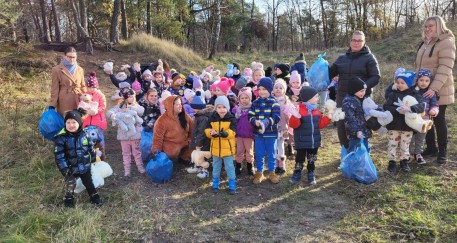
(98, 120)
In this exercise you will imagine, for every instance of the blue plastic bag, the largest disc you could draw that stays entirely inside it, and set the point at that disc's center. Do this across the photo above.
(356, 164)
(146, 145)
(50, 124)
(160, 169)
(318, 76)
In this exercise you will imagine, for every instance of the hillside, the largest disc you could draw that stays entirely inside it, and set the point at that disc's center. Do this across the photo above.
(419, 206)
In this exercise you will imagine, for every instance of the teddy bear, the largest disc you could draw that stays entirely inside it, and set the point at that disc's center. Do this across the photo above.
(87, 104)
(99, 171)
(200, 160)
(126, 121)
(414, 120)
(375, 116)
(334, 113)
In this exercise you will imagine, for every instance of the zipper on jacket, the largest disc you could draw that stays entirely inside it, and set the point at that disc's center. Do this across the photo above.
(220, 143)
(312, 129)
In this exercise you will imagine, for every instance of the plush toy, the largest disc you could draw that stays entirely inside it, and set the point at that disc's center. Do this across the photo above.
(414, 120)
(231, 70)
(108, 66)
(335, 114)
(117, 97)
(126, 120)
(98, 140)
(87, 104)
(375, 116)
(99, 170)
(200, 160)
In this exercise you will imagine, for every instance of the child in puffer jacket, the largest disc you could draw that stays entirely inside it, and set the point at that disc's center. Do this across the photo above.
(127, 117)
(150, 103)
(98, 120)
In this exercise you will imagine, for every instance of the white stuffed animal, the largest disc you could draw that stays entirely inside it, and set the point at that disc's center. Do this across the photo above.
(99, 170)
(372, 110)
(108, 66)
(126, 120)
(334, 113)
(199, 158)
(414, 120)
(87, 104)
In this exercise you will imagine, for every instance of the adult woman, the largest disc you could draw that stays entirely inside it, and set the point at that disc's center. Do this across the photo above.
(173, 130)
(358, 61)
(67, 83)
(437, 53)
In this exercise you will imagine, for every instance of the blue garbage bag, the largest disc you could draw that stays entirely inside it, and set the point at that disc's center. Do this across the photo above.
(356, 164)
(146, 145)
(318, 76)
(160, 169)
(50, 124)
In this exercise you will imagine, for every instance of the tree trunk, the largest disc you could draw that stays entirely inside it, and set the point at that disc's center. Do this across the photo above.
(148, 18)
(83, 14)
(44, 21)
(324, 24)
(124, 28)
(84, 34)
(56, 22)
(273, 33)
(114, 36)
(217, 30)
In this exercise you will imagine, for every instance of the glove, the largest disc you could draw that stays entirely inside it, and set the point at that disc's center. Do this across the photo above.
(223, 133)
(51, 107)
(403, 109)
(66, 172)
(215, 135)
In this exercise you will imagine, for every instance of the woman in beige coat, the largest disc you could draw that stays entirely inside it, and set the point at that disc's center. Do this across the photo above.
(67, 83)
(437, 53)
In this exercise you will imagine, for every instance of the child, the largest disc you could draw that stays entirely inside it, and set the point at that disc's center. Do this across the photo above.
(307, 124)
(130, 140)
(221, 129)
(400, 134)
(159, 80)
(74, 153)
(189, 95)
(150, 103)
(245, 131)
(145, 78)
(355, 123)
(206, 78)
(257, 74)
(424, 77)
(293, 90)
(222, 88)
(300, 66)
(176, 87)
(282, 71)
(121, 76)
(264, 116)
(199, 141)
(136, 86)
(99, 119)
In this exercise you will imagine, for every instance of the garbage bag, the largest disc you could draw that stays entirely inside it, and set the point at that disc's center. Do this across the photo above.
(50, 124)
(145, 145)
(356, 164)
(160, 169)
(318, 76)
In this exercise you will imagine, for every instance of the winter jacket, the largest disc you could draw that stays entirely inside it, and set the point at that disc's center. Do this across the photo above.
(354, 118)
(66, 88)
(362, 64)
(150, 115)
(220, 146)
(300, 67)
(284, 76)
(244, 129)
(73, 151)
(177, 90)
(201, 121)
(130, 79)
(438, 56)
(283, 124)
(430, 103)
(169, 136)
(98, 119)
(114, 114)
(266, 110)
(399, 123)
(307, 133)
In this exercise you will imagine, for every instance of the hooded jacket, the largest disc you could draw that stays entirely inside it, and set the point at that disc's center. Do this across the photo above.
(220, 146)
(438, 56)
(169, 136)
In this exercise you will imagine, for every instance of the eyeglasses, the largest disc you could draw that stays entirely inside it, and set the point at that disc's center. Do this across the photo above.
(72, 57)
(359, 41)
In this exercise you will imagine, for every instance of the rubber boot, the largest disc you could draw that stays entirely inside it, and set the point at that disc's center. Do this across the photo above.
(237, 168)
(215, 185)
(232, 186)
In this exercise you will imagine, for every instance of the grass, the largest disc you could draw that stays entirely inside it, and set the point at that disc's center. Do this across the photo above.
(419, 206)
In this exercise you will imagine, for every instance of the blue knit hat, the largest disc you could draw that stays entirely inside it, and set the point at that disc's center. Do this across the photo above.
(424, 72)
(267, 83)
(198, 102)
(408, 77)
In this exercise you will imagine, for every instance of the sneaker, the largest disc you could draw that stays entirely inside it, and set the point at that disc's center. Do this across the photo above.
(250, 169)
(237, 168)
(392, 166)
(430, 152)
(404, 165)
(420, 160)
(273, 177)
(194, 169)
(311, 179)
(280, 171)
(296, 177)
(258, 178)
(96, 200)
(203, 174)
(69, 201)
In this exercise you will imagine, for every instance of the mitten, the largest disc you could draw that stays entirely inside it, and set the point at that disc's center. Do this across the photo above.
(294, 111)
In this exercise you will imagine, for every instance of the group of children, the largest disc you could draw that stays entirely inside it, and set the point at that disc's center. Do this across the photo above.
(247, 117)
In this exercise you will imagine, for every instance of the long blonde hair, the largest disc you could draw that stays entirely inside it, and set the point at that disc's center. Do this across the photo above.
(440, 26)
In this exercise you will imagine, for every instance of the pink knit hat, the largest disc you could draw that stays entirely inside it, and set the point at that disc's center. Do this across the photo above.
(295, 77)
(92, 81)
(246, 91)
(225, 84)
(136, 85)
(247, 72)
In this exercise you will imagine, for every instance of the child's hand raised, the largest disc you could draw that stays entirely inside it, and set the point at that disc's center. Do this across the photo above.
(257, 123)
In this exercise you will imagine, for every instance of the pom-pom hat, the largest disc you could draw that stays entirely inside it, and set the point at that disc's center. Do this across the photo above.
(92, 81)
(198, 102)
(245, 91)
(408, 77)
(224, 84)
(300, 58)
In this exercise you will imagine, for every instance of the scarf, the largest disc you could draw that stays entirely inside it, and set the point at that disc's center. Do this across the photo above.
(241, 108)
(70, 67)
(310, 107)
(296, 91)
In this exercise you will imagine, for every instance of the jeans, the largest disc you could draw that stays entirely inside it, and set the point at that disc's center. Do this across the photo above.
(229, 167)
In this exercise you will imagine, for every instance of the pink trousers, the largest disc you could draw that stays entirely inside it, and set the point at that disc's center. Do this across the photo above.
(244, 146)
(129, 148)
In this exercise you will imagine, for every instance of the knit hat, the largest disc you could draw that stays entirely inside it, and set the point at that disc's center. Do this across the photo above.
(176, 76)
(121, 76)
(237, 66)
(124, 85)
(209, 69)
(398, 71)
(126, 94)
(408, 77)
(225, 84)
(256, 65)
(307, 93)
(205, 73)
(164, 96)
(92, 80)
(246, 91)
(355, 85)
(136, 85)
(147, 72)
(295, 77)
(222, 100)
(247, 72)
(284, 68)
(240, 83)
(281, 82)
(300, 58)
(77, 116)
(268, 71)
(424, 72)
(198, 102)
(197, 83)
(189, 82)
(267, 83)
(189, 94)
